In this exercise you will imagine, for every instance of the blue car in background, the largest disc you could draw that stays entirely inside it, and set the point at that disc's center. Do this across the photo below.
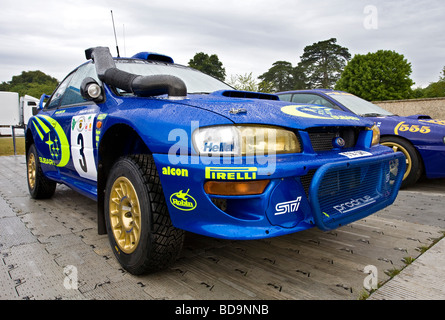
(165, 149)
(419, 137)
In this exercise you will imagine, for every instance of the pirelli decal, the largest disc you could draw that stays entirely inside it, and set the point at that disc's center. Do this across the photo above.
(231, 173)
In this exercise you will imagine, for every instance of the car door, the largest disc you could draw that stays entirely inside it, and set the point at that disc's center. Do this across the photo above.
(76, 116)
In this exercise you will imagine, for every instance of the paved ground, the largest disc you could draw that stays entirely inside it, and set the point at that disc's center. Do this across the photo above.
(50, 250)
(423, 279)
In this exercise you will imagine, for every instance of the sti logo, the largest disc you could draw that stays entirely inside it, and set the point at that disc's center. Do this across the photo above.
(287, 207)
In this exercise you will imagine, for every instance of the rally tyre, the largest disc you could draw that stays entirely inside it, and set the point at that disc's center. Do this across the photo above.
(414, 165)
(39, 186)
(139, 227)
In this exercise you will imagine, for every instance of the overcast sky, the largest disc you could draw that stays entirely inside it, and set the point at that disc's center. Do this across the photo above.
(247, 35)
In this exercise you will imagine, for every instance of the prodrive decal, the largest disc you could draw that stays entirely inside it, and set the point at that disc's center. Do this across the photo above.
(354, 204)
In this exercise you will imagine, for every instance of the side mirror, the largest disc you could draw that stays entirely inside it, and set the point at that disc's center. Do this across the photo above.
(91, 90)
(43, 97)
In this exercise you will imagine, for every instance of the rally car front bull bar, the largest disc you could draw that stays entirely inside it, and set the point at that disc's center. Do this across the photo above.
(344, 192)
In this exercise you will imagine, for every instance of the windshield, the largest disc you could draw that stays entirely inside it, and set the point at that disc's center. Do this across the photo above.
(196, 81)
(358, 105)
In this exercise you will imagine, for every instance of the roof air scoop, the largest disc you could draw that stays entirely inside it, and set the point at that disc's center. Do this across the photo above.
(151, 56)
(143, 86)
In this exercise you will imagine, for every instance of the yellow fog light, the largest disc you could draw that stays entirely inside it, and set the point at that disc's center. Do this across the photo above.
(233, 188)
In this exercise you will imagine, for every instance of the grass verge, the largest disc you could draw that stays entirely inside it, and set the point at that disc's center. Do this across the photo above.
(391, 273)
(7, 146)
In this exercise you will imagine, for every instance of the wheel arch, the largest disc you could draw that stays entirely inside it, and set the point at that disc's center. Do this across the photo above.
(29, 140)
(408, 142)
(117, 141)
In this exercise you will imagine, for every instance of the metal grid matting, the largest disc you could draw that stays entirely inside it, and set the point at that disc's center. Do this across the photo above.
(5, 210)
(13, 233)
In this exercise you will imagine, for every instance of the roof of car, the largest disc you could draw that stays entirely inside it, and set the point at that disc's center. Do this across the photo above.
(310, 90)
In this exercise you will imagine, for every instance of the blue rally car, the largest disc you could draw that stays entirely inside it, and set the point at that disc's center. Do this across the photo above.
(165, 149)
(419, 137)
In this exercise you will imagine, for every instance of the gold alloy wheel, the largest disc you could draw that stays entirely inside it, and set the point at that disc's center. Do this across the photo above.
(32, 170)
(125, 215)
(397, 147)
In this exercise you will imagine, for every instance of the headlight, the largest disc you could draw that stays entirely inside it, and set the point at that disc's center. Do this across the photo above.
(245, 140)
(375, 135)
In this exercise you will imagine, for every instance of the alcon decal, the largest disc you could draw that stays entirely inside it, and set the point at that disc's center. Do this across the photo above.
(176, 172)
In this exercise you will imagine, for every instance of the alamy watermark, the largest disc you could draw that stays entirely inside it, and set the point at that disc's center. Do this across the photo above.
(371, 21)
(371, 280)
(220, 152)
(70, 282)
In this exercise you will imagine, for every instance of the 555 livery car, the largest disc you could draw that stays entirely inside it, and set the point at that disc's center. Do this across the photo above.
(165, 149)
(419, 137)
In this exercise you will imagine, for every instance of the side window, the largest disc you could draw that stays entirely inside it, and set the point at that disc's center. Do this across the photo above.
(313, 99)
(72, 93)
(58, 94)
(285, 97)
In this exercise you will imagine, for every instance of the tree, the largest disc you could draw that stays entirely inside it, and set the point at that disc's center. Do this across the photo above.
(244, 82)
(435, 89)
(300, 78)
(383, 75)
(209, 65)
(279, 77)
(33, 83)
(323, 63)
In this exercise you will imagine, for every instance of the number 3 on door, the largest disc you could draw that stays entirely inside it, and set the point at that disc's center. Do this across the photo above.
(82, 146)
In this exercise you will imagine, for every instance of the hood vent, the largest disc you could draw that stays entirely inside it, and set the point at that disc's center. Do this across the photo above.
(419, 117)
(246, 95)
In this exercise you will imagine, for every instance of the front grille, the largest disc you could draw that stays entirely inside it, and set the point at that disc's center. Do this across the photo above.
(322, 138)
(306, 180)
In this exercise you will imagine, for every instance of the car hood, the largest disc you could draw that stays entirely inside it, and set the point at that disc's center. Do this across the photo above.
(420, 130)
(257, 108)
(418, 119)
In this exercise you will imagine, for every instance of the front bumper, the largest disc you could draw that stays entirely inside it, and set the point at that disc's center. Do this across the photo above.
(326, 191)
